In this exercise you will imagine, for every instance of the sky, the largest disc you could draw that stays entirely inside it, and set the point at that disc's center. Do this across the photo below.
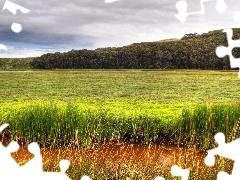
(62, 25)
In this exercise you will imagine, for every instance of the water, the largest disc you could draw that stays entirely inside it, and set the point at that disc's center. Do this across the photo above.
(117, 153)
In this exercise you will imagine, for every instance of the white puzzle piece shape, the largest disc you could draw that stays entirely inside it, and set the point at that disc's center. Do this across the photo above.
(222, 51)
(182, 8)
(12, 7)
(228, 150)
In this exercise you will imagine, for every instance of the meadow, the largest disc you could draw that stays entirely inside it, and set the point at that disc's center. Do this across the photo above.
(183, 86)
(80, 108)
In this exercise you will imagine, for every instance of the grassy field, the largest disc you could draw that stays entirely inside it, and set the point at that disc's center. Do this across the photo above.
(79, 108)
(130, 86)
(145, 106)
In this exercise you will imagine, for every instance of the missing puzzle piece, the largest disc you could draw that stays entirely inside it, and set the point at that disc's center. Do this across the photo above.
(10, 169)
(228, 150)
(222, 51)
(12, 7)
(182, 8)
(8, 165)
(177, 171)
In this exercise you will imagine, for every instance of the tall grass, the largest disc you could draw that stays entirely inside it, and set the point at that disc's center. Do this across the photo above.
(72, 124)
(198, 126)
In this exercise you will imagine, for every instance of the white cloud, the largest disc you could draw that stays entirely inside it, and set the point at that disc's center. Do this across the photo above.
(14, 52)
(93, 24)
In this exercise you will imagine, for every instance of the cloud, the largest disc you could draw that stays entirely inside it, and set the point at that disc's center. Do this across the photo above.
(14, 52)
(65, 25)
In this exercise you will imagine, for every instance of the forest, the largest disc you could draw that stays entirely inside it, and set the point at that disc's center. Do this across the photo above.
(192, 51)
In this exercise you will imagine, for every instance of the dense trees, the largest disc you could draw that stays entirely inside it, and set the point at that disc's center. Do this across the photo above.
(193, 51)
(15, 63)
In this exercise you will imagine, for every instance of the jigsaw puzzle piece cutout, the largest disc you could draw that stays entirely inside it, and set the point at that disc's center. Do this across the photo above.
(8, 165)
(35, 164)
(64, 165)
(177, 171)
(5, 125)
(159, 178)
(222, 51)
(182, 8)
(53, 175)
(6, 159)
(227, 150)
(10, 169)
(39, 174)
(12, 7)
(223, 176)
(16, 27)
(86, 178)
(221, 6)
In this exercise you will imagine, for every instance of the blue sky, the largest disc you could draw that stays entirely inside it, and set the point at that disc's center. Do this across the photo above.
(64, 25)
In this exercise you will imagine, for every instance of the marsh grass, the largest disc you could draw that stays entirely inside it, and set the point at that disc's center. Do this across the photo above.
(77, 109)
(73, 125)
(199, 125)
(196, 125)
(97, 126)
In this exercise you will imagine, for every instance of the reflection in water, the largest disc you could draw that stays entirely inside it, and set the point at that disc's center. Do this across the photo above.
(118, 154)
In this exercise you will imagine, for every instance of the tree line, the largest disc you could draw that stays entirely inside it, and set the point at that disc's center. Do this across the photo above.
(15, 63)
(193, 51)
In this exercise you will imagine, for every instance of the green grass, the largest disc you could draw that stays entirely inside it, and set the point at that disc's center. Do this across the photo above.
(138, 105)
(63, 124)
(77, 124)
(79, 108)
(130, 86)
